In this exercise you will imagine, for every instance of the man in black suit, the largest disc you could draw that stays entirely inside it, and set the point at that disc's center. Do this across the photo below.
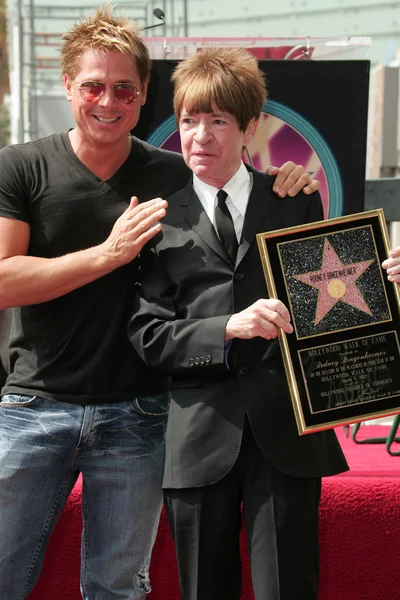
(202, 316)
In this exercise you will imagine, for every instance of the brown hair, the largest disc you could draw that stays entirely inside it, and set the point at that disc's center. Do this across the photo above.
(105, 32)
(225, 79)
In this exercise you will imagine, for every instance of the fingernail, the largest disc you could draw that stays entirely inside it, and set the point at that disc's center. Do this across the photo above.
(282, 193)
(276, 188)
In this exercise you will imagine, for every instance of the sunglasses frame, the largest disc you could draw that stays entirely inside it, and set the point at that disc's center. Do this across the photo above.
(85, 84)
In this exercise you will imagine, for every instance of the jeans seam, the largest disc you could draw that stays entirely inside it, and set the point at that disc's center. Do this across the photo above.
(32, 400)
(40, 541)
(143, 413)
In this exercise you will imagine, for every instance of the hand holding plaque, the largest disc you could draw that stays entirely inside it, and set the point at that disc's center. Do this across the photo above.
(342, 359)
(392, 265)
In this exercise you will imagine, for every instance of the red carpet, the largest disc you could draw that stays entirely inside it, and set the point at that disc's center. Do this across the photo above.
(369, 460)
(359, 523)
(359, 534)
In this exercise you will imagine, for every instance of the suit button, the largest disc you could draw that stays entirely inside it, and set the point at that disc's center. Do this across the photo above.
(197, 360)
(202, 360)
(243, 370)
(239, 276)
(191, 362)
(208, 358)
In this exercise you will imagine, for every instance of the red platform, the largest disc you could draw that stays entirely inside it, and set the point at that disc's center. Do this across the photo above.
(359, 536)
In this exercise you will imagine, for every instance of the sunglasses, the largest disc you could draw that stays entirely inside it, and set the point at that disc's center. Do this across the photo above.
(93, 90)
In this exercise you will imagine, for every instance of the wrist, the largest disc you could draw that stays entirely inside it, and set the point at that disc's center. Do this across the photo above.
(102, 260)
(230, 330)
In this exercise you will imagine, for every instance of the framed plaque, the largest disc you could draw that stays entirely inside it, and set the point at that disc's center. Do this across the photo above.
(342, 361)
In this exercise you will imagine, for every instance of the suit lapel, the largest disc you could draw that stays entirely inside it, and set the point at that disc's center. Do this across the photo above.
(259, 215)
(197, 219)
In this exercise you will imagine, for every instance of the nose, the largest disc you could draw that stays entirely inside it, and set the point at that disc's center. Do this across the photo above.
(202, 134)
(107, 98)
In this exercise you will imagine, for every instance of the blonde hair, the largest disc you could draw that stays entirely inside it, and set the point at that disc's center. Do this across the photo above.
(104, 32)
(225, 79)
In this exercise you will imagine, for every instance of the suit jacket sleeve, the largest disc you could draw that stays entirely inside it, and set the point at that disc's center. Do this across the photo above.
(316, 211)
(173, 332)
(164, 339)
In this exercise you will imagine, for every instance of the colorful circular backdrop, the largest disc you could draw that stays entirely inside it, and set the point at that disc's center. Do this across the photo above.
(282, 135)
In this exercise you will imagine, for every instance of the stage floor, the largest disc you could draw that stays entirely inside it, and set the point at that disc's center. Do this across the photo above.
(359, 533)
(369, 460)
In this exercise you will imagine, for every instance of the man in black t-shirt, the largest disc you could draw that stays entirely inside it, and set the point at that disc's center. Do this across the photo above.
(78, 399)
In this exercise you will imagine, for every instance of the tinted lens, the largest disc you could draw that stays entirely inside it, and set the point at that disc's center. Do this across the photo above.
(91, 90)
(125, 92)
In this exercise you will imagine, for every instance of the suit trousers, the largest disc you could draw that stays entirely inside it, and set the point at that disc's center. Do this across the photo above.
(280, 514)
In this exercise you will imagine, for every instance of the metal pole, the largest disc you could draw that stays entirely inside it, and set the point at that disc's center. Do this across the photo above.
(172, 21)
(165, 18)
(32, 83)
(185, 18)
(20, 73)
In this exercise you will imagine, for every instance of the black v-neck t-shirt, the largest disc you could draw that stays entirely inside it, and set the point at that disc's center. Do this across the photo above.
(75, 348)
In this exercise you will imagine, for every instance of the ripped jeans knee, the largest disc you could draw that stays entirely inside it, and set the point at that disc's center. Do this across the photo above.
(141, 584)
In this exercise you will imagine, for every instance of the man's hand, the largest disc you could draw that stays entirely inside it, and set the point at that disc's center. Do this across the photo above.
(292, 179)
(134, 228)
(392, 265)
(261, 319)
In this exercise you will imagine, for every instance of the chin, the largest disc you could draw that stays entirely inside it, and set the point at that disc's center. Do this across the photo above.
(201, 170)
(110, 135)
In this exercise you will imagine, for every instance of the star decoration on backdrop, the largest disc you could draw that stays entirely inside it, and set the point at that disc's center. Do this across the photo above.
(336, 282)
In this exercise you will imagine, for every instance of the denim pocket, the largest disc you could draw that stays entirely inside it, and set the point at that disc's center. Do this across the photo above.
(16, 400)
(153, 406)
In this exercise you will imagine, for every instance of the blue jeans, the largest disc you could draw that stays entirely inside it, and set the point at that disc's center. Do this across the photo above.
(119, 449)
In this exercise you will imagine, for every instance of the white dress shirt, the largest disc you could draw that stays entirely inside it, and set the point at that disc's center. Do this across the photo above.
(238, 189)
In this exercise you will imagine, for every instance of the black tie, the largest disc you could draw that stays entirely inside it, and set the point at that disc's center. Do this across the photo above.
(224, 224)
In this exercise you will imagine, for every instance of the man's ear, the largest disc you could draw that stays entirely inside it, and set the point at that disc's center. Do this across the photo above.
(143, 93)
(68, 87)
(250, 131)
